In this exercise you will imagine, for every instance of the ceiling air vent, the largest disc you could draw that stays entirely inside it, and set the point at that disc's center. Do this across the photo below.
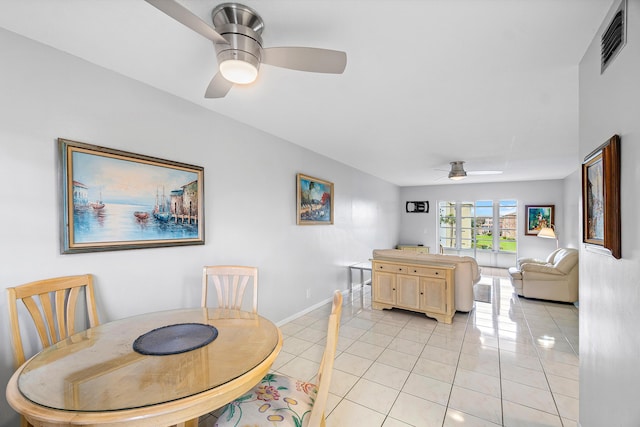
(614, 37)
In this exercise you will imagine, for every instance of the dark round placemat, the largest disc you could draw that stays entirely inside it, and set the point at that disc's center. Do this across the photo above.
(174, 339)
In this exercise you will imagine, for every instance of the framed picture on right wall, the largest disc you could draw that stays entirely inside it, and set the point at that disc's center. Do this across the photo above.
(601, 222)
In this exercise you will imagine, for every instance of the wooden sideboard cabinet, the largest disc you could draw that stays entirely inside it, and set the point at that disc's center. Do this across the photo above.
(427, 289)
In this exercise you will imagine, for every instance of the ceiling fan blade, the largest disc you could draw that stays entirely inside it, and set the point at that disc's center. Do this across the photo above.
(484, 172)
(218, 87)
(306, 59)
(185, 17)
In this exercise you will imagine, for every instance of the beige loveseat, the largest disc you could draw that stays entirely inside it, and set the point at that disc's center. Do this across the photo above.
(555, 278)
(466, 273)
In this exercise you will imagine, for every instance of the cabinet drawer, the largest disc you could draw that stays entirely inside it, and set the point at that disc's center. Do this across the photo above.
(428, 271)
(391, 268)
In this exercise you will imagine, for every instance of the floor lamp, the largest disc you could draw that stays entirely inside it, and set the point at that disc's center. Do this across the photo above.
(548, 233)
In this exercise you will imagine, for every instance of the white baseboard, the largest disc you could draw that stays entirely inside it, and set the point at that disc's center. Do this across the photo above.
(310, 309)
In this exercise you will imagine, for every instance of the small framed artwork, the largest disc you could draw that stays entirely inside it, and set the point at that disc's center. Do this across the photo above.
(538, 217)
(113, 200)
(601, 197)
(314, 201)
(417, 207)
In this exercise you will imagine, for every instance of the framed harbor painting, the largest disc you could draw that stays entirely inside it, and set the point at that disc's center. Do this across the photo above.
(314, 201)
(113, 200)
(601, 197)
(538, 217)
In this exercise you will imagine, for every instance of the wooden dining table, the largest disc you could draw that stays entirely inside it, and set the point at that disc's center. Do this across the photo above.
(95, 377)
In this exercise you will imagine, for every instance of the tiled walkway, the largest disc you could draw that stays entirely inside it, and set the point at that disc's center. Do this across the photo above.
(509, 363)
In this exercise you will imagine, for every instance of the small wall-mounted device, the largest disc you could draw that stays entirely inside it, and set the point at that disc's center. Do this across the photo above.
(417, 207)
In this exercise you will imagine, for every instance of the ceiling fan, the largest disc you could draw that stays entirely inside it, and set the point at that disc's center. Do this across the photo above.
(457, 171)
(236, 34)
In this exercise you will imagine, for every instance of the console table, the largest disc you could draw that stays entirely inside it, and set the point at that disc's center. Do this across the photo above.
(362, 267)
(424, 288)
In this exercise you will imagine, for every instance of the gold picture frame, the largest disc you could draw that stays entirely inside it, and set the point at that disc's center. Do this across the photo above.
(314, 201)
(114, 200)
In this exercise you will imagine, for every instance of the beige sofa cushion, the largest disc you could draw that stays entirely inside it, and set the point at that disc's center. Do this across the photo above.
(466, 273)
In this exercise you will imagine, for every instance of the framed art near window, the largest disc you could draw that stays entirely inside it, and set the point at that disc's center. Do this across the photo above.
(113, 200)
(538, 217)
(601, 225)
(314, 201)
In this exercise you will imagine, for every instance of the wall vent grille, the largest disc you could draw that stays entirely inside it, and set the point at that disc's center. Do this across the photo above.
(614, 38)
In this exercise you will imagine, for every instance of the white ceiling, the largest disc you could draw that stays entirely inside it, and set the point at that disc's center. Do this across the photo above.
(490, 82)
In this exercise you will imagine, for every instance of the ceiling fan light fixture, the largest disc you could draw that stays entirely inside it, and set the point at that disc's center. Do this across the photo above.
(239, 72)
(457, 177)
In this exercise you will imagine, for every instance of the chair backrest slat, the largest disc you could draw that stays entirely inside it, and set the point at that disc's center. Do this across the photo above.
(230, 283)
(60, 298)
(234, 291)
(229, 292)
(218, 286)
(43, 324)
(72, 299)
(47, 307)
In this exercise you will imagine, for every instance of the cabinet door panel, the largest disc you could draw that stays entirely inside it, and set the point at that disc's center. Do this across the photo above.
(408, 292)
(384, 287)
(433, 295)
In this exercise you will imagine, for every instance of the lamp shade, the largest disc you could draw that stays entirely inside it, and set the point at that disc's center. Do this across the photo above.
(547, 233)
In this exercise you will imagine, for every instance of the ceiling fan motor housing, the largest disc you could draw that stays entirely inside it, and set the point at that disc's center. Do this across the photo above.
(457, 170)
(241, 26)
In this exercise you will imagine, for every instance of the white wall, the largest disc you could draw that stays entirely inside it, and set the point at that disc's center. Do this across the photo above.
(249, 195)
(609, 288)
(571, 207)
(422, 228)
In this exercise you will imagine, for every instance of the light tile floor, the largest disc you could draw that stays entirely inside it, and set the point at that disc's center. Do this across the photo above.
(513, 362)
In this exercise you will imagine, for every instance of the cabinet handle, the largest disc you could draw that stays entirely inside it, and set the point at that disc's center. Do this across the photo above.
(415, 271)
(437, 273)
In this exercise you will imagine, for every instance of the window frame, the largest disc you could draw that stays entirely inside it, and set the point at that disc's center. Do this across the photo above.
(458, 228)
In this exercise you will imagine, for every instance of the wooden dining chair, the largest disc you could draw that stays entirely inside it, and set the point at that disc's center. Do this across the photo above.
(284, 401)
(230, 282)
(52, 304)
